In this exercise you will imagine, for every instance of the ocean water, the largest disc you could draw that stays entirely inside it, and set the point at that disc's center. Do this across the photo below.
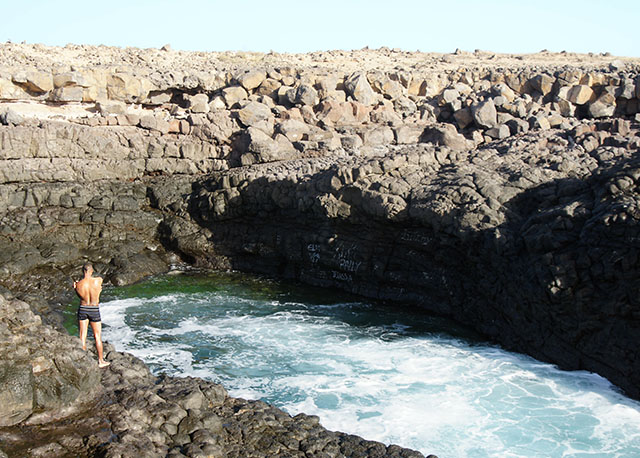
(393, 376)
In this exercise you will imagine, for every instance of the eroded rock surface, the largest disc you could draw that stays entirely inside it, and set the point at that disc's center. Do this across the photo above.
(499, 190)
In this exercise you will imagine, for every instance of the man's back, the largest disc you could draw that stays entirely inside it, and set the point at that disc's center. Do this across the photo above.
(88, 289)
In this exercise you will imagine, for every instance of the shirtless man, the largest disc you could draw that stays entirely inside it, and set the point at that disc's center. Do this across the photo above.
(88, 290)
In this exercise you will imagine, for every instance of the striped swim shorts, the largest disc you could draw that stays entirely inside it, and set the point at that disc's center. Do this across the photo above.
(89, 312)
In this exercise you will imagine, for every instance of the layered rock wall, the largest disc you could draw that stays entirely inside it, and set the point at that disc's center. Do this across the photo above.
(501, 191)
(542, 259)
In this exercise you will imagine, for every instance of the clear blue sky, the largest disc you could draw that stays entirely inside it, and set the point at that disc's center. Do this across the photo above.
(516, 26)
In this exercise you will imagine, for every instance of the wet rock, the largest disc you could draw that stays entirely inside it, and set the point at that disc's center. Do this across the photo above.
(16, 396)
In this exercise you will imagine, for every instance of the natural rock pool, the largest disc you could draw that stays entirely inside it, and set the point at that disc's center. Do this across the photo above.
(386, 374)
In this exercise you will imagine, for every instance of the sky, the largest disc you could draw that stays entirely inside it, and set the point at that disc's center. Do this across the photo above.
(506, 26)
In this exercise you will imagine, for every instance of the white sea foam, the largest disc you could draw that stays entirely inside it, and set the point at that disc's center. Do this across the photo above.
(433, 393)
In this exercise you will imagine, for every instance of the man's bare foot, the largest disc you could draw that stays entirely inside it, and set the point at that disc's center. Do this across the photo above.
(103, 363)
(84, 347)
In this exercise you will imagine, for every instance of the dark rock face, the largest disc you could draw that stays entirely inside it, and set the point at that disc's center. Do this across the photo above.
(533, 242)
(41, 371)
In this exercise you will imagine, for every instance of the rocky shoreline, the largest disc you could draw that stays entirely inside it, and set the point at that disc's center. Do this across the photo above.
(62, 404)
(498, 190)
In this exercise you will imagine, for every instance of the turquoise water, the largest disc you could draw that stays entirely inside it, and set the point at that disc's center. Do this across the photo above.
(389, 375)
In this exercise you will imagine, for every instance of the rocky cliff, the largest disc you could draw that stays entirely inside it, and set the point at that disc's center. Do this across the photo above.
(498, 190)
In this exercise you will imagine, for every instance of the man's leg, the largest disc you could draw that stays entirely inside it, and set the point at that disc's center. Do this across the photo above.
(96, 327)
(83, 328)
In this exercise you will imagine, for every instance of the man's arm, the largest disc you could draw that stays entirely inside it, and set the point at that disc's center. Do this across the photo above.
(75, 288)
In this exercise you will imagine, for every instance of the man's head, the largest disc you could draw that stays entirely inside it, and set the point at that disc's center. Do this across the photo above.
(87, 268)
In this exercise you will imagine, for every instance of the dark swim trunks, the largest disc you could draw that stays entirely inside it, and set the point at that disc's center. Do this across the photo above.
(89, 312)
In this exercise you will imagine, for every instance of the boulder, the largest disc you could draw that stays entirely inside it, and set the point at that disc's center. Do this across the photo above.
(149, 122)
(111, 107)
(252, 79)
(35, 81)
(604, 106)
(517, 108)
(10, 91)
(11, 117)
(269, 87)
(285, 95)
(448, 97)
(404, 106)
(293, 129)
(262, 148)
(127, 88)
(445, 135)
(566, 108)
(199, 103)
(593, 79)
(392, 89)
(70, 79)
(332, 112)
(326, 84)
(158, 98)
(217, 103)
(384, 114)
(68, 94)
(498, 133)
(256, 114)
(234, 94)
(542, 83)
(358, 87)
(540, 122)
(517, 126)
(555, 119)
(408, 134)
(580, 94)
(360, 112)
(503, 90)
(463, 117)
(351, 142)
(563, 93)
(627, 90)
(417, 87)
(485, 114)
(378, 136)
(306, 95)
